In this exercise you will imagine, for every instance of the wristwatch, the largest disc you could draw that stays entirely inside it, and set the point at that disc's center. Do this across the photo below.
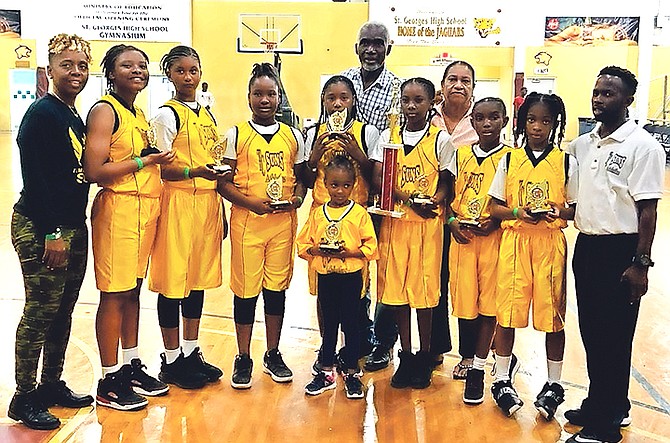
(643, 260)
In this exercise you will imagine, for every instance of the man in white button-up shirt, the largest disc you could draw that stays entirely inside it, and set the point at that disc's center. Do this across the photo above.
(621, 170)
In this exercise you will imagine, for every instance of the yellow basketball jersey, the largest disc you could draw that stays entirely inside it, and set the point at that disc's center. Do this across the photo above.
(196, 134)
(473, 180)
(262, 164)
(127, 142)
(526, 172)
(418, 170)
(359, 193)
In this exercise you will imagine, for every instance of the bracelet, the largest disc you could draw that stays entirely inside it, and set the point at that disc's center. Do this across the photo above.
(187, 172)
(300, 200)
(409, 202)
(140, 163)
(451, 219)
(54, 235)
(515, 212)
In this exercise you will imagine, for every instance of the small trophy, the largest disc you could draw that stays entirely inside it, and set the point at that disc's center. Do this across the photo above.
(152, 137)
(474, 211)
(538, 197)
(422, 198)
(275, 190)
(332, 242)
(385, 203)
(217, 151)
(337, 121)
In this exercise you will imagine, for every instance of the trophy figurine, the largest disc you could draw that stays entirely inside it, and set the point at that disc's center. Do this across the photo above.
(474, 211)
(332, 242)
(275, 190)
(337, 121)
(538, 198)
(151, 141)
(385, 203)
(422, 198)
(217, 151)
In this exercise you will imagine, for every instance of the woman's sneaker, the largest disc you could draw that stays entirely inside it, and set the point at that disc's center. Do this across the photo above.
(353, 386)
(506, 397)
(548, 400)
(114, 391)
(322, 382)
(273, 364)
(141, 382)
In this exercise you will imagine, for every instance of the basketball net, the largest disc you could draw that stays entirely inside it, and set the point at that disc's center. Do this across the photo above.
(270, 46)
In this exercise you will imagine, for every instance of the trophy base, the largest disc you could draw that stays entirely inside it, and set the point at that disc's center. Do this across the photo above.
(540, 211)
(279, 204)
(422, 200)
(469, 223)
(379, 211)
(331, 249)
(150, 150)
(219, 169)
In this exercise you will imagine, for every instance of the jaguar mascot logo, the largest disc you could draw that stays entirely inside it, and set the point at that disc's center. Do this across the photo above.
(484, 26)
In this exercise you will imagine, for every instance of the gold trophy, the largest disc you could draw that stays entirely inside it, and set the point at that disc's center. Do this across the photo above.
(384, 204)
(275, 190)
(151, 138)
(422, 198)
(337, 121)
(474, 211)
(332, 242)
(538, 197)
(217, 151)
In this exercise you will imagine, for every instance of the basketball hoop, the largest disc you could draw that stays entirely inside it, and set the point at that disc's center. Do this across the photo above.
(270, 46)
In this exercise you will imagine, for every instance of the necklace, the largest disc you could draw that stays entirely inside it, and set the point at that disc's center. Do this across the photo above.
(333, 230)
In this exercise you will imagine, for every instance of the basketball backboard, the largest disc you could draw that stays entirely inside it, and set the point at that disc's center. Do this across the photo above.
(278, 33)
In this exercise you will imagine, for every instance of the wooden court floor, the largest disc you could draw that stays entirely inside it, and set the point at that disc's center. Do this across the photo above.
(273, 412)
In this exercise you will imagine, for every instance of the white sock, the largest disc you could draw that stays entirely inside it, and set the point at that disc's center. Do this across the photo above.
(110, 369)
(129, 354)
(479, 363)
(554, 369)
(189, 346)
(171, 355)
(502, 367)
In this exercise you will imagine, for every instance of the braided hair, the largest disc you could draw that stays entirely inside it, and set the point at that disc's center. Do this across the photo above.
(556, 108)
(497, 100)
(62, 42)
(427, 86)
(176, 53)
(110, 57)
(323, 116)
(264, 70)
(343, 163)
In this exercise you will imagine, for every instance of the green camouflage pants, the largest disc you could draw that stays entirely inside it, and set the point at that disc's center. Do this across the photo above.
(50, 298)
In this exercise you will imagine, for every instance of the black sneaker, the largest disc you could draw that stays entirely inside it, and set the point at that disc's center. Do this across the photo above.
(506, 397)
(115, 391)
(579, 417)
(317, 367)
(57, 393)
(586, 436)
(342, 366)
(141, 382)
(473, 394)
(514, 366)
(273, 364)
(423, 370)
(548, 400)
(353, 386)
(321, 383)
(29, 409)
(181, 373)
(242, 369)
(197, 363)
(403, 375)
(379, 358)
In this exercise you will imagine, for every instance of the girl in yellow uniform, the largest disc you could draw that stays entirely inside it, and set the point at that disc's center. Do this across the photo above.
(186, 257)
(533, 192)
(266, 157)
(408, 273)
(123, 221)
(338, 240)
(355, 140)
(473, 258)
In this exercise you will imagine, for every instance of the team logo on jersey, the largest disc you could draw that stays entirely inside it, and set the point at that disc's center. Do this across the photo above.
(614, 163)
(474, 182)
(268, 160)
(411, 174)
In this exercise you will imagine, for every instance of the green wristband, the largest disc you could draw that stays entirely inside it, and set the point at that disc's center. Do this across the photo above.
(300, 200)
(140, 163)
(187, 172)
(515, 212)
(451, 219)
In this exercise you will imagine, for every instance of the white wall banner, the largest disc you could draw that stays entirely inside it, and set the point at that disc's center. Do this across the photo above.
(117, 20)
(429, 23)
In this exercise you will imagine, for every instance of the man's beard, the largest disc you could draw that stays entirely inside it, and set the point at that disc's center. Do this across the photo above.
(371, 66)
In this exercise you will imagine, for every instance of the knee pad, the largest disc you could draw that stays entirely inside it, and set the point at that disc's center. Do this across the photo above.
(274, 302)
(244, 310)
(191, 306)
(168, 312)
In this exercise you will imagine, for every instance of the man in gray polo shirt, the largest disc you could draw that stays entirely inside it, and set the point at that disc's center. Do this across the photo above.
(621, 170)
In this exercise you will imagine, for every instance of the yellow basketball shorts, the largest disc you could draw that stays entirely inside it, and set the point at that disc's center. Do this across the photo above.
(123, 228)
(262, 251)
(187, 252)
(408, 271)
(531, 268)
(473, 276)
